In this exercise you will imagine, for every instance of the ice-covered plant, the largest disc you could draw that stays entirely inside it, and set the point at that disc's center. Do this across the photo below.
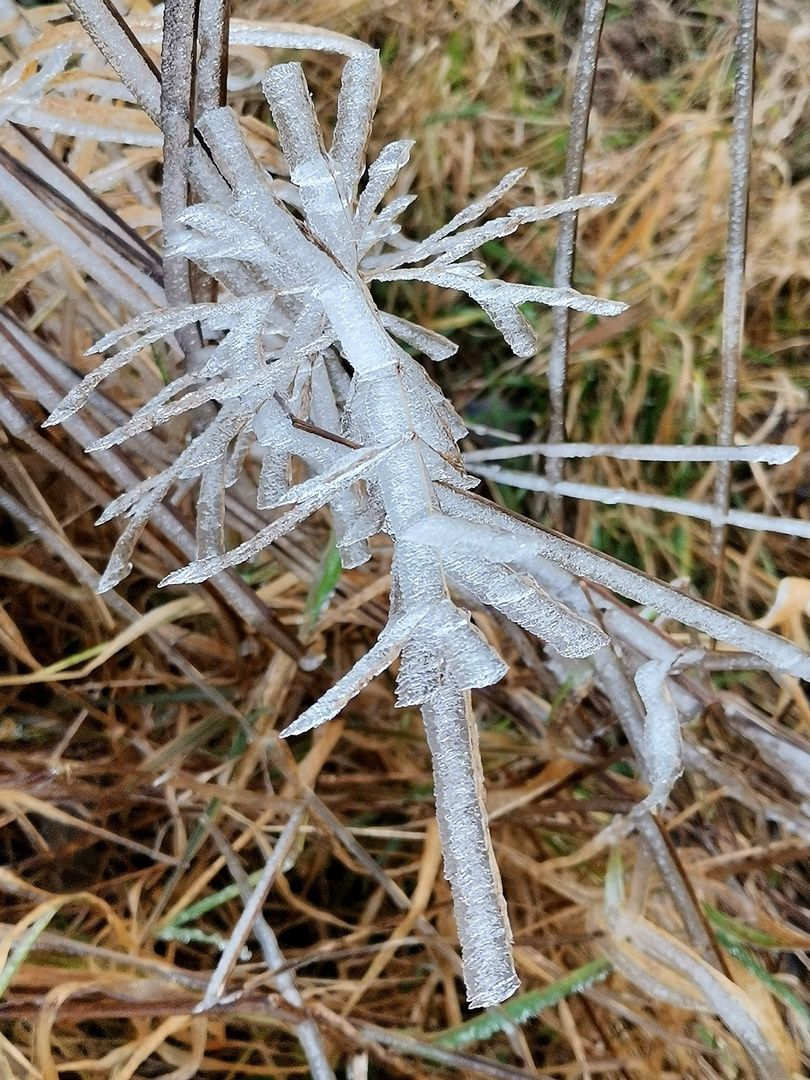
(301, 361)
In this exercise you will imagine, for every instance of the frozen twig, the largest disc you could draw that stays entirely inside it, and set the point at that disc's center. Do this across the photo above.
(743, 519)
(253, 905)
(734, 278)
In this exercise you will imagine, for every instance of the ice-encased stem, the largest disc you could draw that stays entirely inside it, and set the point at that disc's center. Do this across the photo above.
(212, 67)
(469, 861)
(734, 278)
(669, 504)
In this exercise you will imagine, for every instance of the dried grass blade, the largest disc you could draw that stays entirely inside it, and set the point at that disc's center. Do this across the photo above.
(29, 804)
(145, 624)
(136, 294)
(244, 927)
(108, 226)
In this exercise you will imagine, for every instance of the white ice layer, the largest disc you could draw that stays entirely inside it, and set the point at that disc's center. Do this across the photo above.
(662, 731)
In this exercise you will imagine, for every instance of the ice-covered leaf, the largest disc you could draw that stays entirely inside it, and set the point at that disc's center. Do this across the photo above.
(500, 299)
(382, 173)
(434, 345)
(662, 730)
(306, 497)
(525, 603)
(357, 100)
(383, 225)
(445, 645)
(478, 208)
(211, 511)
(325, 205)
(518, 539)
(450, 248)
(154, 412)
(381, 655)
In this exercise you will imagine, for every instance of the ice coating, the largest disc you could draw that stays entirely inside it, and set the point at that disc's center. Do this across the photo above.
(469, 861)
(301, 362)
(382, 173)
(377, 659)
(525, 603)
(744, 519)
(662, 730)
(767, 454)
(519, 540)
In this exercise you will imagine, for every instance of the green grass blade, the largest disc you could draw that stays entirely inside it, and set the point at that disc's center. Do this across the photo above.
(524, 1007)
(777, 988)
(23, 946)
(323, 587)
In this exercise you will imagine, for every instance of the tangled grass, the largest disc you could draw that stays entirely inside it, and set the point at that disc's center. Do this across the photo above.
(144, 784)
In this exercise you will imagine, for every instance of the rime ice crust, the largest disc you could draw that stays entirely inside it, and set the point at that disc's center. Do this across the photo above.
(295, 261)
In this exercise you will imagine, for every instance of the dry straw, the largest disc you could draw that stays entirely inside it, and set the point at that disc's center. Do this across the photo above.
(257, 378)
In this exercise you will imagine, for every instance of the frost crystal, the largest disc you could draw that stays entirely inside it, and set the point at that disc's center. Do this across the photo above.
(295, 261)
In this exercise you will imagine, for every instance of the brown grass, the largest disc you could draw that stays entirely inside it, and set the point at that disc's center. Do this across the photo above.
(131, 774)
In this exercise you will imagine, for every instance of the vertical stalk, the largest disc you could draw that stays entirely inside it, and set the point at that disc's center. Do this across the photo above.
(592, 19)
(212, 67)
(210, 92)
(734, 296)
(176, 119)
(469, 861)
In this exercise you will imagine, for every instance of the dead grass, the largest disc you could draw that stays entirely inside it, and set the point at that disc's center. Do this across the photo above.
(140, 752)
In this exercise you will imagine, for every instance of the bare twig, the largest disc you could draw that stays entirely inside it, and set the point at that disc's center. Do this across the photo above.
(592, 19)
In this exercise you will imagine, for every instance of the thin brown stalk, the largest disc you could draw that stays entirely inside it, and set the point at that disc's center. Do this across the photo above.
(107, 226)
(592, 19)
(734, 291)
(176, 121)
